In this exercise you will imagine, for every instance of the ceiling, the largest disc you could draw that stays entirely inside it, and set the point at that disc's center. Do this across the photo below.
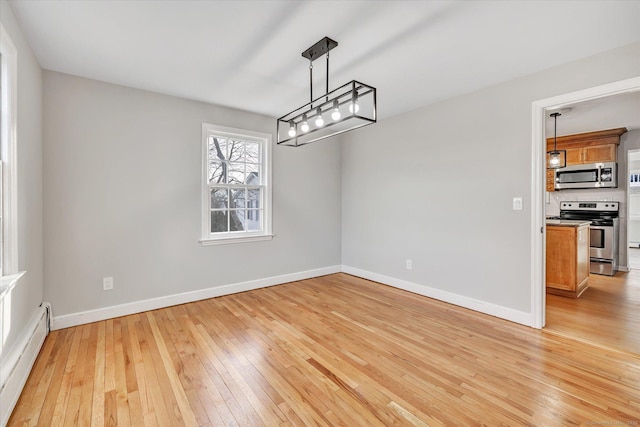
(614, 111)
(247, 54)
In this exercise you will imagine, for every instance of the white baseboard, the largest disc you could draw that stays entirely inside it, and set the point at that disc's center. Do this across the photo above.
(74, 319)
(17, 363)
(495, 310)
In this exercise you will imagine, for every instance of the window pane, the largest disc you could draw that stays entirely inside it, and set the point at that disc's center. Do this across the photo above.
(238, 198)
(218, 148)
(252, 152)
(236, 173)
(236, 151)
(253, 174)
(219, 222)
(253, 199)
(217, 172)
(254, 220)
(237, 220)
(219, 198)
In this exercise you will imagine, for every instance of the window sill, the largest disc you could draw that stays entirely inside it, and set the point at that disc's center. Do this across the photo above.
(8, 282)
(230, 240)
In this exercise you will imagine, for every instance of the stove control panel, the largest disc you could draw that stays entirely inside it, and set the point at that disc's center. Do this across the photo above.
(607, 206)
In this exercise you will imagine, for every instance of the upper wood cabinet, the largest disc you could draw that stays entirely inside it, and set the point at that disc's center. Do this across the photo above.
(593, 154)
(590, 147)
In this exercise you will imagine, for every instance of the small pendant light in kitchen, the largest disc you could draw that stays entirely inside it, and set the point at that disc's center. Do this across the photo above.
(556, 158)
(348, 107)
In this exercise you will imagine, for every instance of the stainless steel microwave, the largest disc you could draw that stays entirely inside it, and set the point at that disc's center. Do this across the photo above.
(590, 175)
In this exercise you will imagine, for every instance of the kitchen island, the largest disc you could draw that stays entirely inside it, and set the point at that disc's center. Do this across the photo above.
(567, 257)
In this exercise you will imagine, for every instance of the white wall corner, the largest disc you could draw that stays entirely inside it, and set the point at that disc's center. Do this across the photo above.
(81, 318)
(495, 310)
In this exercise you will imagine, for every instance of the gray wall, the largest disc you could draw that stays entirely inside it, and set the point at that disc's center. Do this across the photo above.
(28, 293)
(122, 198)
(436, 185)
(628, 142)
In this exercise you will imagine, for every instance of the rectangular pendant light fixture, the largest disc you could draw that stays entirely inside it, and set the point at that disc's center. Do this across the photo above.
(348, 107)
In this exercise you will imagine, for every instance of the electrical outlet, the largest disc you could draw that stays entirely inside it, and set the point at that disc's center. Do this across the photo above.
(409, 264)
(107, 283)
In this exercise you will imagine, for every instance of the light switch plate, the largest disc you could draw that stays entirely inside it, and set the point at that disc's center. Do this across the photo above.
(517, 203)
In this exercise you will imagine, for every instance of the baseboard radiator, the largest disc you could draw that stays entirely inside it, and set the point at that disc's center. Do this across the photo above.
(16, 363)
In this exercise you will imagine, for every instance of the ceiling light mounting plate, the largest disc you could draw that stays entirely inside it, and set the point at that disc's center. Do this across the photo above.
(319, 49)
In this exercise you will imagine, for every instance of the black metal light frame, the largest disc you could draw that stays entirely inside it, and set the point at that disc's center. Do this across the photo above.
(355, 101)
(562, 160)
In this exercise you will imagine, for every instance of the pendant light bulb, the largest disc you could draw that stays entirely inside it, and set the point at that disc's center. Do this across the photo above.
(335, 115)
(292, 129)
(554, 160)
(304, 126)
(319, 119)
(354, 107)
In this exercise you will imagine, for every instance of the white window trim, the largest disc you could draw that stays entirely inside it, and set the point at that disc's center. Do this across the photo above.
(9, 147)
(243, 237)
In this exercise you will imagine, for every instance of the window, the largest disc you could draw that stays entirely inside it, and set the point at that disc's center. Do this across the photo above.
(8, 173)
(236, 193)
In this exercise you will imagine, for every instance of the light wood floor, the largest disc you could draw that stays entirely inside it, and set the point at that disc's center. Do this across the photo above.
(606, 314)
(330, 351)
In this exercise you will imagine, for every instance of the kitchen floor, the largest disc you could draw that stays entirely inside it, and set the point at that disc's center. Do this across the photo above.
(605, 315)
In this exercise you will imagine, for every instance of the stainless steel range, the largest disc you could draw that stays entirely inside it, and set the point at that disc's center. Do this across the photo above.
(604, 232)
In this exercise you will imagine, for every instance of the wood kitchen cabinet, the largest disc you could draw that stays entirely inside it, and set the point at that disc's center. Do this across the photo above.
(550, 179)
(593, 154)
(591, 147)
(567, 259)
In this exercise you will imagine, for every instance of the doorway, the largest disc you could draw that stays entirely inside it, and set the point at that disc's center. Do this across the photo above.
(539, 109)
(633, 209)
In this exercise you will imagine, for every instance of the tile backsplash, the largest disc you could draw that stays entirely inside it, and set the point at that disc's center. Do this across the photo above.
(552, 208)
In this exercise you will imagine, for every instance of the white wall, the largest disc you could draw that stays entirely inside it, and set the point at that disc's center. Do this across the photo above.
(122, 198)
(436, 186)
(27, 295)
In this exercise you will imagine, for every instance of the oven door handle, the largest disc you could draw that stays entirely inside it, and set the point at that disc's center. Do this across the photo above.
(601, 227)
